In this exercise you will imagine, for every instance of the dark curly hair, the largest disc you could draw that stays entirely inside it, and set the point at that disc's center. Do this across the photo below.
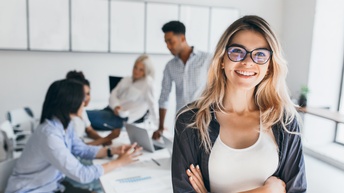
(79, 76)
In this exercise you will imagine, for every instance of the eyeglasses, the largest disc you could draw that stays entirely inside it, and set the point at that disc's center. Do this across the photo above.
(259, 55)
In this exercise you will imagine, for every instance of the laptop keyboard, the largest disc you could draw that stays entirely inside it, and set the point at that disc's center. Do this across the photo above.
(157, 147)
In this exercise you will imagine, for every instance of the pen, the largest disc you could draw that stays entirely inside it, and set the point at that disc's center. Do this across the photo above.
(108, 126)
(157, 163)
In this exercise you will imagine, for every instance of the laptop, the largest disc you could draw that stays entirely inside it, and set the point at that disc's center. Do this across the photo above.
(142, 138)
(168, 144)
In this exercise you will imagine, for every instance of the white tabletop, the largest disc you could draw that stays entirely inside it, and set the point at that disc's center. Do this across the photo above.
(152, 173)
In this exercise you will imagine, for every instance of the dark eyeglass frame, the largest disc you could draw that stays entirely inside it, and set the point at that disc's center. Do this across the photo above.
(248, 52)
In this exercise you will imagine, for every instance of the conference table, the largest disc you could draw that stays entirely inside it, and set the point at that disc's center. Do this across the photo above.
(152, 173)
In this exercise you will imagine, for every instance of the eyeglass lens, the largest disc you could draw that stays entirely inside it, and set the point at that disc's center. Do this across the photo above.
(259, 56)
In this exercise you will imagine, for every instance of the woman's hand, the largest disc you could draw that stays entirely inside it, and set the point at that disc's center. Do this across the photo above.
(271, 185)
(116, 110)
(122, 149)
(107, 142)
(114, 134)
(275, 185)
(196, 179)
(128, 153)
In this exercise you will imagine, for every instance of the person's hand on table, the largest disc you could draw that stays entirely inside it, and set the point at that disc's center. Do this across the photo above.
(158, 133)
(128, 153)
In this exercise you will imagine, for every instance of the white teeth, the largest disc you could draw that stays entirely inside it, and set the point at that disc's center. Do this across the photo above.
(245, 73)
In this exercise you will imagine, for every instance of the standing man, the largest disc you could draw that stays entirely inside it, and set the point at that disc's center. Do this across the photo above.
(188, 70)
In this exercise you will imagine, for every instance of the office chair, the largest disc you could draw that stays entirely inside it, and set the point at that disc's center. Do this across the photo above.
(4, 146)
(23, 122)
(113, 81)
(22, 119)
(144, 118)
(12, 143)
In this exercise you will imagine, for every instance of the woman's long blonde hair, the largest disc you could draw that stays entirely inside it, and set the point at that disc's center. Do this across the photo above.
(271, 94)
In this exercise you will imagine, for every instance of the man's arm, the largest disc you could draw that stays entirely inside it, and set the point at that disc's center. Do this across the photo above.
(162, 113)
(163, 101)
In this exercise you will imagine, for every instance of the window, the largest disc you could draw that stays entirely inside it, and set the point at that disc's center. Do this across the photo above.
(325, 73)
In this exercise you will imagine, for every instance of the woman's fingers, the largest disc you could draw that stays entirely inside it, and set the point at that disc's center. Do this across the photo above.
(194, 185)
(131, 155)
(196, 179)
(134, 151)
(197, 172)
(130, 148)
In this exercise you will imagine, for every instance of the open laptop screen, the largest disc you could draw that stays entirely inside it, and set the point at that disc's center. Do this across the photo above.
(141, 137)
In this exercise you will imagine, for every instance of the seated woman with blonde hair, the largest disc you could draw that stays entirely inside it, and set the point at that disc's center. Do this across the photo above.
(130, 100)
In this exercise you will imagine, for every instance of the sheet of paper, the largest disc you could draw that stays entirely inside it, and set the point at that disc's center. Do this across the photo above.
(145, 183)
(145, 176)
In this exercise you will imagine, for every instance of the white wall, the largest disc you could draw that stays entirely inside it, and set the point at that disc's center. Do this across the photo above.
(271, 10)
(297, 26)
(25, 76)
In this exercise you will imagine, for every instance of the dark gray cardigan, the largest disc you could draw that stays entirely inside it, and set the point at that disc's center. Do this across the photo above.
(187, 150)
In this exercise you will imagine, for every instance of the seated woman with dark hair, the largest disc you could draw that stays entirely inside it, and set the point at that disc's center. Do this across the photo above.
(82, 123)
(50, 154)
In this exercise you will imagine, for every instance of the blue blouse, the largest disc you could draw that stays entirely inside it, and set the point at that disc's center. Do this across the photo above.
(49, 156)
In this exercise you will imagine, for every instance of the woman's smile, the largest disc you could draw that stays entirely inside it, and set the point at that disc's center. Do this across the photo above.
(245, 73)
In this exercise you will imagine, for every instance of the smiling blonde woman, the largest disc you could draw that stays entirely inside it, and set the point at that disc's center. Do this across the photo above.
(241, 135)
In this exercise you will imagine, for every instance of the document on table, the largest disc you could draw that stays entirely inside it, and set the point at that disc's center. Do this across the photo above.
(145, 183)
(145, 176)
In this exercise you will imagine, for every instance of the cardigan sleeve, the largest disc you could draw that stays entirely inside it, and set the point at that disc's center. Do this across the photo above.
(184, 154)
(292, 165)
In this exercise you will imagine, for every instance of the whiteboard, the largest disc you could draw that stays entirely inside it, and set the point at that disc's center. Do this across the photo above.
(13, 25)
(196, 21)
(49, 25)
(157, 16)
(127, 26)
(221, 18)
(90, 26)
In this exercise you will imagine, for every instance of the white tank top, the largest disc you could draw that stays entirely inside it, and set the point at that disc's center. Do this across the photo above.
(234, 170)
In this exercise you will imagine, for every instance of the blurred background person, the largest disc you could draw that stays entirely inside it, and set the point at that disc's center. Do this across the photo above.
(51, 153)
(131, 100)
(83, 124)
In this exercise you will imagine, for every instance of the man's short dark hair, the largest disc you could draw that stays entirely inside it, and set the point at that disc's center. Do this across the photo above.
(176, 27)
